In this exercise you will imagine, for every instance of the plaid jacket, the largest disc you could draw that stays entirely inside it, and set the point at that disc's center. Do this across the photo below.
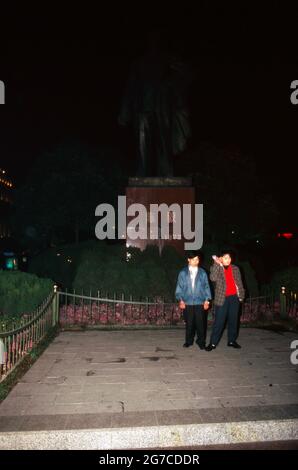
(218, 277)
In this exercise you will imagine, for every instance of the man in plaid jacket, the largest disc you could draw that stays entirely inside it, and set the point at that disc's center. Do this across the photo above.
(229, 292)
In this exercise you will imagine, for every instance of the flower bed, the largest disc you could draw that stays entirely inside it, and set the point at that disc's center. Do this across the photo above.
(159, 314)
(120, 314)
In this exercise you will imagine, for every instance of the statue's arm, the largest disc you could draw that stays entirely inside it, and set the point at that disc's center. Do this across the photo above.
(125, 114)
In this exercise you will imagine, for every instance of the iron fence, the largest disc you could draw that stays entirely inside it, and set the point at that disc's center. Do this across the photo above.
(16, 342)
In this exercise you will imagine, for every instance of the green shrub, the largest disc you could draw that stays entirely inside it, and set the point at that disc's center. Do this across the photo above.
(22, 292)
(249, 279)
(54, 264)
(287, 278)
(97, 265)
(141, 274)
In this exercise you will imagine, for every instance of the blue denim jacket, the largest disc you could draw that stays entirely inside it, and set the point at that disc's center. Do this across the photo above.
(201, 291)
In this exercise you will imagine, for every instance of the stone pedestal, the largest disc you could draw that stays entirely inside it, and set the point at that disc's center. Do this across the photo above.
(158, 190)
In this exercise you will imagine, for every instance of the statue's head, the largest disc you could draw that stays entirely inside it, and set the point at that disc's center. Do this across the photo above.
(154, 40)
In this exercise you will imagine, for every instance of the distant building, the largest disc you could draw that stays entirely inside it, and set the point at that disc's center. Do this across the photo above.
(6, 200)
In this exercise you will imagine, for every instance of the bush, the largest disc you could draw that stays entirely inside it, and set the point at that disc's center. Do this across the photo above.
(61, 263)
(98, 265)
(287, 278)
(141, 274)
(249, 279)
(22, 292)
(53, 263)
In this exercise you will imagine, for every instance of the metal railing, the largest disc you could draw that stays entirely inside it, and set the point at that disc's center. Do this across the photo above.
(288, 303)
(105, 309)
(256, 308)
(17, 342)
(283, 302)
(88, 310)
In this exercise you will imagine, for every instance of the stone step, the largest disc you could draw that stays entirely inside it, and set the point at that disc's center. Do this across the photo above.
(152, 437)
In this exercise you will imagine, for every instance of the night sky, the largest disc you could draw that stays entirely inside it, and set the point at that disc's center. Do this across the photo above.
(66, 78)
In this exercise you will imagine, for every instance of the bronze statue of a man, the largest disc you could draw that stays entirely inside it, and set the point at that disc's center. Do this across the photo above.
(155, 104)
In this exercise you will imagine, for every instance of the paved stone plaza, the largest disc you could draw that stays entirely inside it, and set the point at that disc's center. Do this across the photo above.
(118, 384)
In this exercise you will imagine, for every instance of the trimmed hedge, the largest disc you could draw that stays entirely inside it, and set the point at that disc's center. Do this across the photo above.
(142, 274)
(98, 265)
(21, 292)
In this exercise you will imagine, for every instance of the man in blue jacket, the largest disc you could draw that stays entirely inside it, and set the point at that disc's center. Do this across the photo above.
(193, 294)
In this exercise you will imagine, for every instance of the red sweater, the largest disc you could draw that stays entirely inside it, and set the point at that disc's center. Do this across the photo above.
(231, 288)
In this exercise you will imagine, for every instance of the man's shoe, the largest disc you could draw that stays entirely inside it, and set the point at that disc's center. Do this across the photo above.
(210, 347)
(186, 345)
(235, 345)
(201, 346)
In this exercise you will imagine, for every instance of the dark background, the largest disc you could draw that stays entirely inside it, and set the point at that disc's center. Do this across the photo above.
(65, 72)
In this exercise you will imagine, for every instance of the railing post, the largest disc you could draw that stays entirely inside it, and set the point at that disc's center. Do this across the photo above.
(55, 306)
(2, 356)
(283, 303)
(123, 306)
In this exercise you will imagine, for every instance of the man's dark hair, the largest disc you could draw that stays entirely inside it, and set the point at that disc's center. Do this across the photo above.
(227, 251)
(192, 254)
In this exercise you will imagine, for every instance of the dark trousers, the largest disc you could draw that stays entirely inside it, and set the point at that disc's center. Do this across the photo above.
(229, 309)
(195, 324)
